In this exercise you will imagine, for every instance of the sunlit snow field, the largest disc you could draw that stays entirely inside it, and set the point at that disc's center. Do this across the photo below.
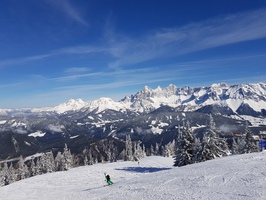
(233, 177)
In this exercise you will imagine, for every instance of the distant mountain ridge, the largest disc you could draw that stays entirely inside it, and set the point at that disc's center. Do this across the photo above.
(236, 97)
(150, 115)
(146, 100)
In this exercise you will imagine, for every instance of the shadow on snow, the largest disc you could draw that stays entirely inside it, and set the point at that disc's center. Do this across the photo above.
(143, 169)
(95, 188)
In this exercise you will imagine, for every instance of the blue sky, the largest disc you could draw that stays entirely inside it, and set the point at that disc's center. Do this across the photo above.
(54, 50)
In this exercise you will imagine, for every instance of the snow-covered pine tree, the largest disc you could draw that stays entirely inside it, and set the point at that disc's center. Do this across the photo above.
(129, 151)
(157, 149)
(85, 154)
(90, 157)
(112, 152)
(196, 151)
(50, 162)
(96, 160)
(250, 146)
(43, 163)
(39, 168)
(86, 161)
(152, 150)
(12, 173)
(138, 152)
(185, 145)
(4, 175)
(212, 145)
(144, 151)
(164, 151)
(33, 168)
(108, 152)
(67, 158)
(169, 149)
(234, 148)
(122, 155)
(59, 163)
(238, 145)
(23, 171)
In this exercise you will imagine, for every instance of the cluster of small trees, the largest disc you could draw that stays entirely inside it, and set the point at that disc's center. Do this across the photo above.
(132, 152)
(159, 149)
(190, 149)
(45, 163)
(105, 150)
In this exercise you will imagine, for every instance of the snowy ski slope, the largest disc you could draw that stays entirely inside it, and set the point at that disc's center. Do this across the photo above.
(233, 177)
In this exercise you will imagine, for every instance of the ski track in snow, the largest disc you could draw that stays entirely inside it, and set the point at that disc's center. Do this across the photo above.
(233, 177)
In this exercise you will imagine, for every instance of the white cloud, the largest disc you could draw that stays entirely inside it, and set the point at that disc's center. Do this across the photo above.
(194, 37)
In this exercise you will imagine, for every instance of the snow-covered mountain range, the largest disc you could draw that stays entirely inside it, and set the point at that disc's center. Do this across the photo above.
(149, 115)
(234, 97)
(186, 98)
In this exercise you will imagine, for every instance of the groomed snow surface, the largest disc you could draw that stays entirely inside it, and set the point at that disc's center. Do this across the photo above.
(233, 177)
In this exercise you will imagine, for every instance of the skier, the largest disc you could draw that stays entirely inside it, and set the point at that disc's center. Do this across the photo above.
(108, 179)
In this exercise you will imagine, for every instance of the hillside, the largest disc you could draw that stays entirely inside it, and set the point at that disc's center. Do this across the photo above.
(233, 177)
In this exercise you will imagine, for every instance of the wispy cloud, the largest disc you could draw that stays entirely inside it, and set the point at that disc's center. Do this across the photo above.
(67, 8)
(75, 77)
(25, 59)
(10, 85)
(82, 49)
(79, 73)
(193, 37)
(76, 70)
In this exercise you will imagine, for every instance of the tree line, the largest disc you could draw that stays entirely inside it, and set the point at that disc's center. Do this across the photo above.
(41, 164)
(185, 149)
